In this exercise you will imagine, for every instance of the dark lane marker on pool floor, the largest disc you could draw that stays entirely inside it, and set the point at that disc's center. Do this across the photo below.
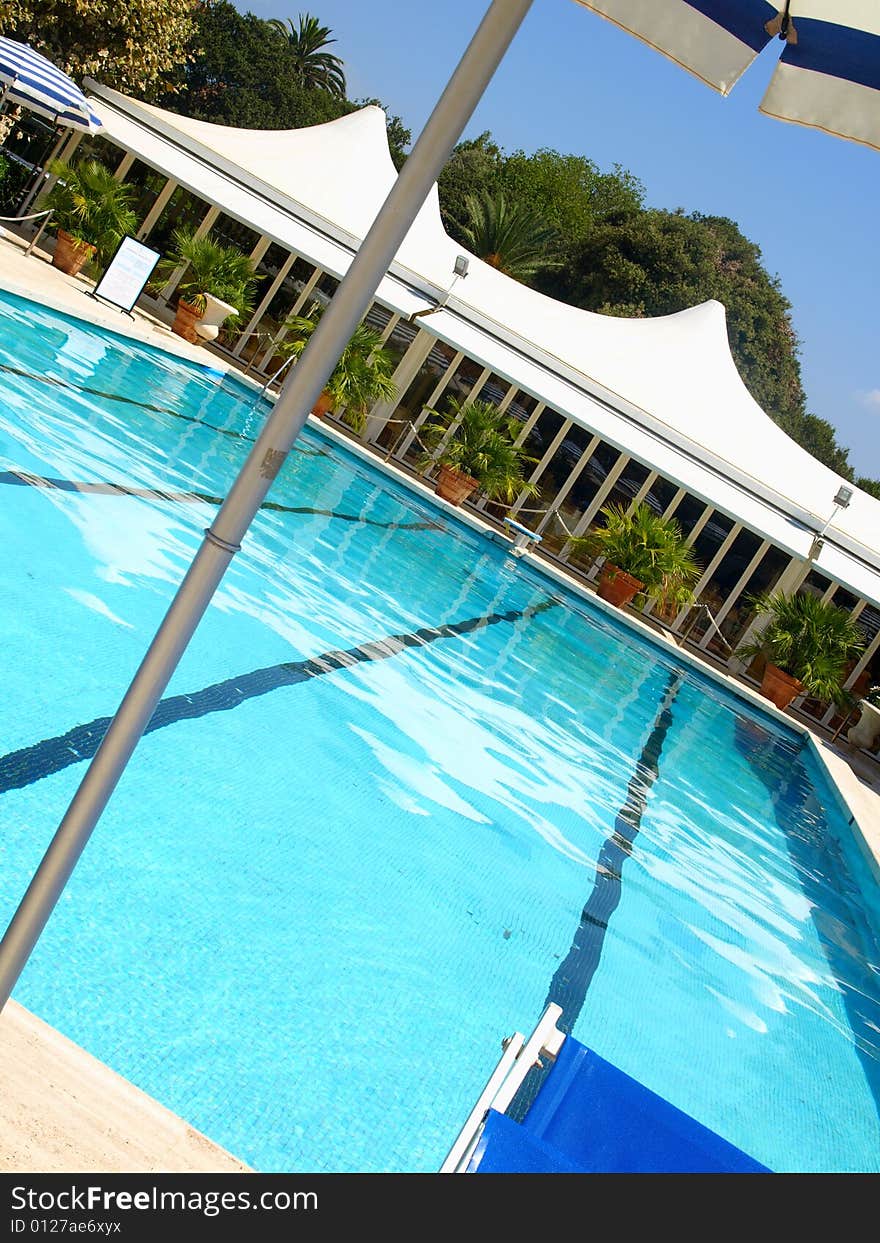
(58, 382)
(573, 976)
(25, 478)
(575, 973)
(52, 755)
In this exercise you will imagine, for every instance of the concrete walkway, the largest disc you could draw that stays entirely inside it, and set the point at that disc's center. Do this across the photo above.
(60, 1109)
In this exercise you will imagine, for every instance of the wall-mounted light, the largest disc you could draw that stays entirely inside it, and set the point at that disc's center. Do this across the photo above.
(459, 270)
(842, 498)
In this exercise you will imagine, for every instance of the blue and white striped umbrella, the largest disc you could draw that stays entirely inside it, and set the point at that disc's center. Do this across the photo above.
(32, 81)
(827, 77)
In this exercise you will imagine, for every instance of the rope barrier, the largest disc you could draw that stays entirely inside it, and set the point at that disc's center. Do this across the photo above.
(34, 216)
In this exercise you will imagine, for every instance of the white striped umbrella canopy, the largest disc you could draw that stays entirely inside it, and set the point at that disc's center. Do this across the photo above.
(827, 77)
(32, 81)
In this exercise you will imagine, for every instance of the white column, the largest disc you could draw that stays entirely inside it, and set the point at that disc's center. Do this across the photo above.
(734, 594)
(530, 423)
(710, 568)
(545, 461)
(401, 449)
(404, 373)
(264, 303)
(156, 210)
(674, 503)
(643, 491)
(450, 431)
(123, 166)
(595, 505)
(204, 227)
(572, 479)
(294, 310)
(260, 249)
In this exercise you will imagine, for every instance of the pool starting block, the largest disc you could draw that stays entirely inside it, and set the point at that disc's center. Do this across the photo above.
(523, 539)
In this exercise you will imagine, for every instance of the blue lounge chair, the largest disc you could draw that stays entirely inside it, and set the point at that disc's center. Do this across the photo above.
(587, 1117)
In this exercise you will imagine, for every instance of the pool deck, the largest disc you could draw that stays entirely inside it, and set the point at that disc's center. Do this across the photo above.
(63, 1111)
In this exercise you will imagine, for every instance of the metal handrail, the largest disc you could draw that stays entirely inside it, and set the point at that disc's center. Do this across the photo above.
(505, 1081)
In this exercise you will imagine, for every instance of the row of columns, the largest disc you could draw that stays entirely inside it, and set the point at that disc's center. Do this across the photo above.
(791, 578)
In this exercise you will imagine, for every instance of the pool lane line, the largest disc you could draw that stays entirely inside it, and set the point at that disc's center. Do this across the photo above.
(43, 759)
(58, 382)
(117, 489)
(573, 976)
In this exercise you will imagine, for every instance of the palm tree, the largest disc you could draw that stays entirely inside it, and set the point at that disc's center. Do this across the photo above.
(362, 375)
(811, 639)
(91, 205)
(478, 440)
(508, 236)
(211, 268)
(312, 66)
(649, 548)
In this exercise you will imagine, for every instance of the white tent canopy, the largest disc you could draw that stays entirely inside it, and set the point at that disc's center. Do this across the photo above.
(665, 389)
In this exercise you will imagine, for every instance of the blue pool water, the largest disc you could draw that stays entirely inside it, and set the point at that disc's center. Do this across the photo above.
(401, 792)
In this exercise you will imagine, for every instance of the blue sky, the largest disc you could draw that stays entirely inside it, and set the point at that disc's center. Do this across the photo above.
(574, 83)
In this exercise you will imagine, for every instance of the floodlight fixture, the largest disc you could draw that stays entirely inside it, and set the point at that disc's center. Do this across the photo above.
(459, 271)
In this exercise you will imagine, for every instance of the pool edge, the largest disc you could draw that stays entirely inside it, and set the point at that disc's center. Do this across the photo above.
(64, 1111)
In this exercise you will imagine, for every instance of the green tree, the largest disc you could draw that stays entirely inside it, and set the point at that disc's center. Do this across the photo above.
(311, 64)
(240, 73)
(511, 238)
(569, 191)
(132, 46)
(871, 486)
(656, 262)
(474, 167)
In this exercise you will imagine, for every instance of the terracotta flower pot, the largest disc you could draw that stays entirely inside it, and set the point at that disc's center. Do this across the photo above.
(70, 254)
(186, 318)
(453, 486)
(616, 586)
(323, 405)
(779, 687)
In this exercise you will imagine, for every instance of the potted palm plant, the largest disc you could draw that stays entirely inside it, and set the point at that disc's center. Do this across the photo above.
(361, 377)
(477, 450)
(92, 212)
(807, 645)
(642, 552)
(216, 276)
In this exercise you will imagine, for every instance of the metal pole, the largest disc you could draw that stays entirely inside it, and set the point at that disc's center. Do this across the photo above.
(300, 392)
(40, 174)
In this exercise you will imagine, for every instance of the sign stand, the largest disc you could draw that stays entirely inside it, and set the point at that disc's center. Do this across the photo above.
(126, 274)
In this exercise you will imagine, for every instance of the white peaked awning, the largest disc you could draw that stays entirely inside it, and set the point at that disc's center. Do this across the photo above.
(665, 388)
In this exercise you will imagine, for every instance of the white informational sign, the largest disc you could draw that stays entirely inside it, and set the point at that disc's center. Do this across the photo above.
(127, 273)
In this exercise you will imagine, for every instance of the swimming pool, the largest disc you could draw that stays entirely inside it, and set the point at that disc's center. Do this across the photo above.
(401, 792)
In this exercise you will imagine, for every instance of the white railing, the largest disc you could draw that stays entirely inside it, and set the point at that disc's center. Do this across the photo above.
(517, 1059)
